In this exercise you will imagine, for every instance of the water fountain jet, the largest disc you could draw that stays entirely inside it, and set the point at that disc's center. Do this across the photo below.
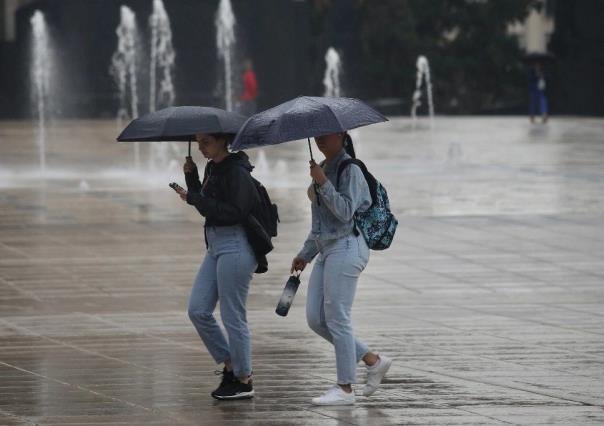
(123, 70)
(225, 42)
(422, 74)
(40, 79)
(331, 80)
(162, 60)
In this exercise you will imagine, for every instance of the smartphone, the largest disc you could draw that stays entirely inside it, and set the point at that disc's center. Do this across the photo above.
(176, 187)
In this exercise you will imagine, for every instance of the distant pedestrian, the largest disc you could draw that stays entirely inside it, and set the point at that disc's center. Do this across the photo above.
(250, 90)
(537, 88)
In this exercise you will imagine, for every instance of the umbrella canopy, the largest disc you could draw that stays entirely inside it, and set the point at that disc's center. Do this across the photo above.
(181, 123)
(538, 57)
(305, 117)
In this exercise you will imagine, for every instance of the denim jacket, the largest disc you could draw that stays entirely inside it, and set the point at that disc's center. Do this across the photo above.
(334, 217)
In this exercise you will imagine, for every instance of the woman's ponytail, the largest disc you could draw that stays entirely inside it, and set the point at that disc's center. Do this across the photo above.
(348, 145)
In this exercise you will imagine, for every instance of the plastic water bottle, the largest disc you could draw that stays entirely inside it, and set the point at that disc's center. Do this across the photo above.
(288, 295)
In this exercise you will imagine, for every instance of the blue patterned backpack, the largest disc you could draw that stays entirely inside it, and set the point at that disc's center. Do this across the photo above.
(377, 223)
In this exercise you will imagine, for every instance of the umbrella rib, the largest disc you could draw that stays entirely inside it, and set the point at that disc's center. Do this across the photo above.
(332, 113)
(163, 127)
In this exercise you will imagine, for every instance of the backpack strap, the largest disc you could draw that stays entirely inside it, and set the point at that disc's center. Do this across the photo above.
(371, 181)
(206, 172)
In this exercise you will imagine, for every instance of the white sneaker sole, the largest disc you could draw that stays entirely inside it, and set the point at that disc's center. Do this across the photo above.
(334, 403)
(242, 395)
(370, 390)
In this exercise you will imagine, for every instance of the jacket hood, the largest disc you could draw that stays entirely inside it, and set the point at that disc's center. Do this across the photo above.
(239, 158)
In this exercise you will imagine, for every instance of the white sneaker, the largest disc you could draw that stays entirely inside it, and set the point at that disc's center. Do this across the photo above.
(375, 374)
(335, 396)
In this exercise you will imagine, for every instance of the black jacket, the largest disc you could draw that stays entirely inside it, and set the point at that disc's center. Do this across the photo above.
(227, 197)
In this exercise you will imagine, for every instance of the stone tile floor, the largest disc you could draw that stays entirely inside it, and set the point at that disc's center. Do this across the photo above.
(490, 301)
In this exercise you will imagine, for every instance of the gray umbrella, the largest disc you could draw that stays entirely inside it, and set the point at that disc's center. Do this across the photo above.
(305, 117)
(181, 123)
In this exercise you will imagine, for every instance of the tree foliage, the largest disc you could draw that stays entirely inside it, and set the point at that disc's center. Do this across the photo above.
(475, 63)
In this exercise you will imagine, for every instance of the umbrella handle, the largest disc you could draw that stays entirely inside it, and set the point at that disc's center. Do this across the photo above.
(310, 149)
(189, 147)
(315, 186)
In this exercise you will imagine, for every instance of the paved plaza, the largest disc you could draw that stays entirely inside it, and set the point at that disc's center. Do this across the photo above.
(490, 301)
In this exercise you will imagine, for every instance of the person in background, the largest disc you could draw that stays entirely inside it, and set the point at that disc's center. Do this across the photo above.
(537, 86)
(250, 90)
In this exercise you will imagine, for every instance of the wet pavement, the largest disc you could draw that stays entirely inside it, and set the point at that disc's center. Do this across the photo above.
(490, 301)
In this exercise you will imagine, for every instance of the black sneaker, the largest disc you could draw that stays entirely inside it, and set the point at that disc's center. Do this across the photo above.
(235, 390)
(227, 378)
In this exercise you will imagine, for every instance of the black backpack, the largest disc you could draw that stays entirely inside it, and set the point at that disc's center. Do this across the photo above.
(266, 211)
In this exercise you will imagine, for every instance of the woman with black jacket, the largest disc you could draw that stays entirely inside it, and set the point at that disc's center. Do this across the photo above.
(226, 198)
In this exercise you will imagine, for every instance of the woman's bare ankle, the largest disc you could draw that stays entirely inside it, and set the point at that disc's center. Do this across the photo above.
(346, 388)
(370, 359)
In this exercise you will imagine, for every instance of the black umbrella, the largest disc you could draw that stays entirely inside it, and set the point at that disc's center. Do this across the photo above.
(305, 117)
(181, 123)
(532, 57)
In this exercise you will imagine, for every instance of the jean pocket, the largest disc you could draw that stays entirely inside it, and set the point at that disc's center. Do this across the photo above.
(344, 244)
(362, 249)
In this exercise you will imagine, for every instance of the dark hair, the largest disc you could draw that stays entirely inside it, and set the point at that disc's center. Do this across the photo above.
(348, 145)
(228, 138)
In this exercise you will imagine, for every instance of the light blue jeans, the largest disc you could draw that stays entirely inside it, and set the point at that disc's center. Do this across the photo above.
(225, 276)
(331, 291)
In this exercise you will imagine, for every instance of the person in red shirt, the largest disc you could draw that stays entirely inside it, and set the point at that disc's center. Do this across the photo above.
(250, 89)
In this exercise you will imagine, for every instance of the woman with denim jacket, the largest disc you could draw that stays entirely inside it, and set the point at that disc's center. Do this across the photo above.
(342, 256)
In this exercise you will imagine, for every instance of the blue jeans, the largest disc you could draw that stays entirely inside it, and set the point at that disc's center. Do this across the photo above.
(331, 289)
(225, 276)
(538, 103)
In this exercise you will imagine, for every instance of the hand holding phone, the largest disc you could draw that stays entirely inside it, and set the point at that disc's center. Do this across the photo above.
(179, 189)
(176, 187)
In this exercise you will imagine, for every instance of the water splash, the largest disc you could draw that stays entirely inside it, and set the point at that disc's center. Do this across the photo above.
(84, 186)
(162, 61)
(261, 165)
(123, 70)
(331, 80)
(423, 74)
(454, 153)
(225, 42)
(42, 65)
(277, 176)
